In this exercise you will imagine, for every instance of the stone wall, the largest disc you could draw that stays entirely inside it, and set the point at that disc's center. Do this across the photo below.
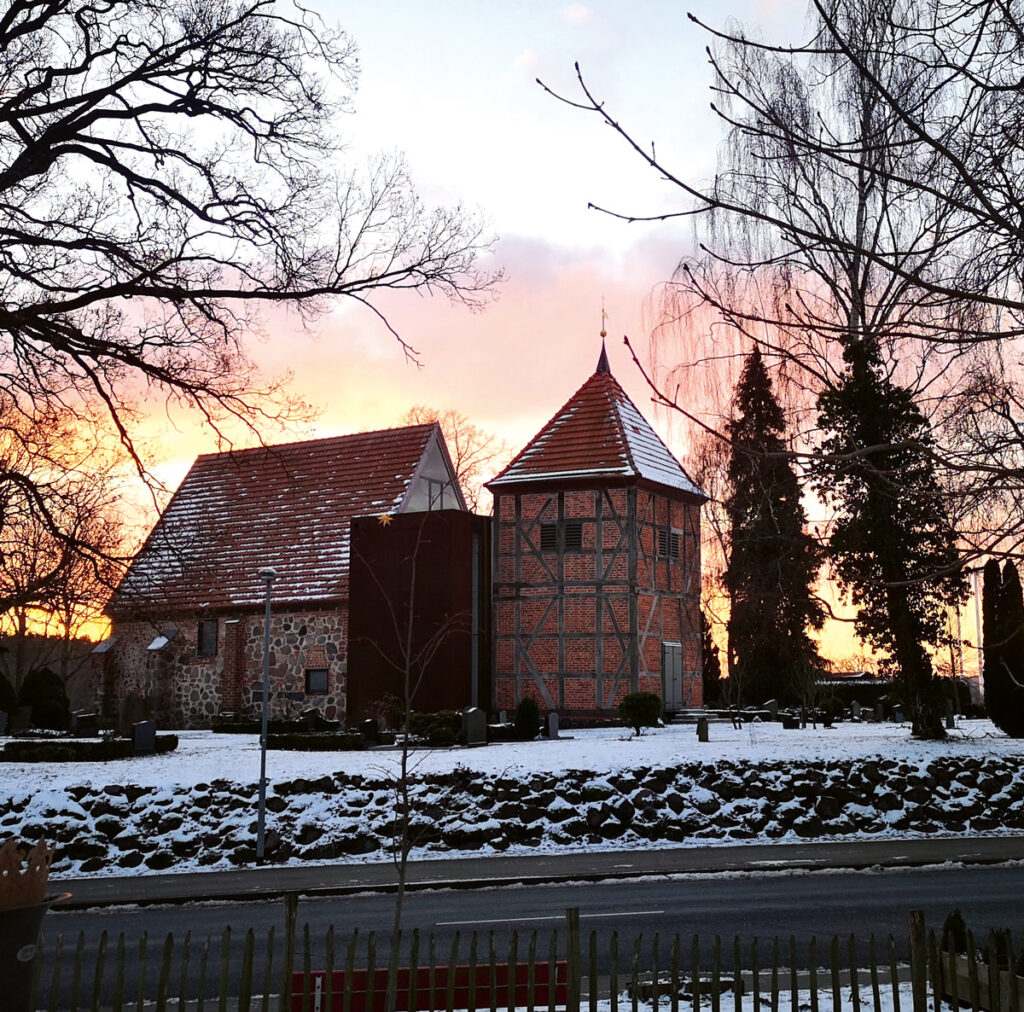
(183, 689)
(337, 815)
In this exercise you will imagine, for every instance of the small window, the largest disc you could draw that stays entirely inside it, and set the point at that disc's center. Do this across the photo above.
(573, 536)
(549, 537)
(316, 681)
(206, 644)
(668, 544)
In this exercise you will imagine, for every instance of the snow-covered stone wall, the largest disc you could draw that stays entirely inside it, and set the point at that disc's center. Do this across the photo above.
(124, 828)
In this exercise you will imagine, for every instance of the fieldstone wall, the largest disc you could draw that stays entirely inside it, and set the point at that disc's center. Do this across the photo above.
(185, 690)
(337, 816)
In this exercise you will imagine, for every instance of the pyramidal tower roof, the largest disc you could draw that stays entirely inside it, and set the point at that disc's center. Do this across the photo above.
(597, 433)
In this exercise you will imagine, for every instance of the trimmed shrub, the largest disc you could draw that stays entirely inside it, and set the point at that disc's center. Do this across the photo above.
(639, 710)
(438, 730)
(44, 691)
(527, 719)
(102, 750)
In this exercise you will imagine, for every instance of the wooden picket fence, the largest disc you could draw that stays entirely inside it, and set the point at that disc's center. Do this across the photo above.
(291, 971)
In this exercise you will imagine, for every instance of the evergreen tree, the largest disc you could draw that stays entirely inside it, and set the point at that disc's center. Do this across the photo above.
(772, 559)
(1004, 652)
(892, 542)
(711, 670)
(991, 636)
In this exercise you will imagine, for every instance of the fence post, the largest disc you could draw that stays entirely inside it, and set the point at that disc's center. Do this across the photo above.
(574, 957)
(291, 915)
(918, 961)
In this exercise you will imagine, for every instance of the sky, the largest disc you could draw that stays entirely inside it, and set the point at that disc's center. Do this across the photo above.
(452, 85)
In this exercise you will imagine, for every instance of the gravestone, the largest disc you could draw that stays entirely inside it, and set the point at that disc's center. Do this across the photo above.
(370, 730)
(855, 710)
(772, 706)
(950, 722)
(702, 729)
(552, 725)
(84, 724)
(897, 714)
(310, 718)
(3, 722)
(790, 723)
(880, 712)
(474, 727)
(144, 737)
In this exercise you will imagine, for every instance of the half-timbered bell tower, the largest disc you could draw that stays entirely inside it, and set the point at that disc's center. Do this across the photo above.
(596, 580)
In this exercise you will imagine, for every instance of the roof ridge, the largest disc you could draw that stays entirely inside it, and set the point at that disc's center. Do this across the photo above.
(317, 441)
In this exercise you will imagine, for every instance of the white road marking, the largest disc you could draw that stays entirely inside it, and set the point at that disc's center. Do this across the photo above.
(553, 917)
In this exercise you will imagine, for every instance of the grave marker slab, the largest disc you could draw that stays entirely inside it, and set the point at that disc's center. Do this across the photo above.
(474, 727)
(144, 737)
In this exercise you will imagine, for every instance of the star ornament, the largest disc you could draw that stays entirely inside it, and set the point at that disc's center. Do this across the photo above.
(384, 519)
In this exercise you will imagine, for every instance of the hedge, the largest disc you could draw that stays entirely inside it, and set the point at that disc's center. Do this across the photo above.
(100, 750)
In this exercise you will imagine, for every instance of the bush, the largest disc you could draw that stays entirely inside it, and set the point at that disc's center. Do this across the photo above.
(44, 691)
(527, 719)
(438, 730)
(639, 710)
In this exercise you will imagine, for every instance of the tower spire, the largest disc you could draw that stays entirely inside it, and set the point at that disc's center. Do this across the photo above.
(602, 362)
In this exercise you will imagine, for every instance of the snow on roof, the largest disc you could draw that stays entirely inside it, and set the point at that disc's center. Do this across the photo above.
(597, 433)
(287, 506)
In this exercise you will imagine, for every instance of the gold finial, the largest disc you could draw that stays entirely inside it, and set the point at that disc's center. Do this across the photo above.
(604, 317)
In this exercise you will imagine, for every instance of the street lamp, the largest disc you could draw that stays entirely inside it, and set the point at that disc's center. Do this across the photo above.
(268, 576)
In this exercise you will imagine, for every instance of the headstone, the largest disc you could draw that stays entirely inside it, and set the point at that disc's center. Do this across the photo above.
(803, 717)
(3, 722)
(897, 714)
(702, 729)
(474, 727)
(310, 718)
(880, 712)
(772, 706)
(502, 716)
(790, 723)
(950, 722)
(855, 710)
(370, 730)
(552, 726)
(84, 724)
(144, 737)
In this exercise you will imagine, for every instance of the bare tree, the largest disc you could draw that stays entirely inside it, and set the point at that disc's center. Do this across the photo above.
(167, 168)
(476, 454)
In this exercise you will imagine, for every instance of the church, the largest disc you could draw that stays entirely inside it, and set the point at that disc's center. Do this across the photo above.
(583, 586)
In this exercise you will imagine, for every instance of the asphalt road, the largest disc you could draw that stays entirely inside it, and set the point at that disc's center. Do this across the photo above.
(751, 903)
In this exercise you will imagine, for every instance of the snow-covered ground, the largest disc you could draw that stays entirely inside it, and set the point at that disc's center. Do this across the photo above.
(202, 757)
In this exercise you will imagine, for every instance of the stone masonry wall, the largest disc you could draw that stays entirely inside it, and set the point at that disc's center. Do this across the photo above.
(185, 690)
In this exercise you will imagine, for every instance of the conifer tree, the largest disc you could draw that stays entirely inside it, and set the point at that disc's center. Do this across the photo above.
(711, 669)
(991, 635)
(1004, 652)
(892, 542)
(772, 559)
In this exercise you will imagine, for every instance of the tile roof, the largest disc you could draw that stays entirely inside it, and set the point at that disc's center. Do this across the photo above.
(285, 506)
(597, 433)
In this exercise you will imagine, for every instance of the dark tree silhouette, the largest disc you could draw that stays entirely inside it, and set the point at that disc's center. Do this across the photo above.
(892, 544)
(772, 560)
(711, 669)
(1003, 604)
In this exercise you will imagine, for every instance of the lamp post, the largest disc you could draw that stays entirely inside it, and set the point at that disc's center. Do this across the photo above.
(268, 576)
